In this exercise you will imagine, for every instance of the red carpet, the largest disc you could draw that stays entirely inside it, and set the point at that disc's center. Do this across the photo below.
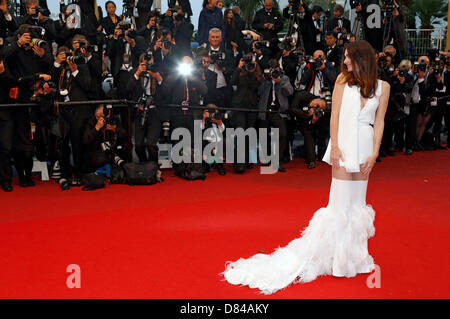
(172, 240)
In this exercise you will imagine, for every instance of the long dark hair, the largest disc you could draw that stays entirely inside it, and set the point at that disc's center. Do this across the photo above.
(225, 19)
(365, 69)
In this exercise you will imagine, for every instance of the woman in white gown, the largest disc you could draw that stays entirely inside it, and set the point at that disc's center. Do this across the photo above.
(335, 241)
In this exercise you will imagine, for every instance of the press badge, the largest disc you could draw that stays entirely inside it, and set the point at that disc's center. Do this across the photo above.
(318, 37)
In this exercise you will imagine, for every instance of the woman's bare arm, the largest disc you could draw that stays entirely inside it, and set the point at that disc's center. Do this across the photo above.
(338, 92)
(378, 126)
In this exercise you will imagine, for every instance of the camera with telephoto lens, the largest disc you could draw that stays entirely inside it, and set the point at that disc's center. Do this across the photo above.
(422, 66)
(218, 116)
(287, 44)
(132, 34)
(402, 72)
(260, 45)
(249, 61)
(217, 58)
(83, 45)
(316, 63)
(149, 65)
(318, 112)
(108, 114)
(76, 59)
(37, 35)
(275, 74)
(43, 11)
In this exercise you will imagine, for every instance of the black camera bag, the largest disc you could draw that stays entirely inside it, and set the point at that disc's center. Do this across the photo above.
(141, 173)
(93, 181)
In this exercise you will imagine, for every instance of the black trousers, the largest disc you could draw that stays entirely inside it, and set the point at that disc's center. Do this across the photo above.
(72, 124)
(146, 135)
(6, 142)
(274, 120)
(22, 142)
(316, 132)
(411, 123)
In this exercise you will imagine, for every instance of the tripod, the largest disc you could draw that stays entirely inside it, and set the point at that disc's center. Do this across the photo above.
(387, 28)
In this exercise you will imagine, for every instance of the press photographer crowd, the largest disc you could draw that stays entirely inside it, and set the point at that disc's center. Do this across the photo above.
(95, 92)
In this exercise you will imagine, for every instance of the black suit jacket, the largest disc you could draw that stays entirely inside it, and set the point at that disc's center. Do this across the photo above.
(116, 49)
(333, 23)
(262, 17)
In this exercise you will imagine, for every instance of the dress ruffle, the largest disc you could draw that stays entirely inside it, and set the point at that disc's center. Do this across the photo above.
(334, 243)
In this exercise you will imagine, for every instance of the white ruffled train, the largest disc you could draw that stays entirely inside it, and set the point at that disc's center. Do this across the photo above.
(334, 243)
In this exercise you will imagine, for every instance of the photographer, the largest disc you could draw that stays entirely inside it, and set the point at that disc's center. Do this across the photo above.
(145, 87)
(25, 58)
(443, 106)
(273, 97)
(37, 16)
(213, 128)
(312, 30)
(338, 24)
(74, 85)
(289, 59)
(105, 142)
(437, 104)
(401, 85)
(309, 111)
(263, 53)
(295, 11)
(164, 52)
(417, 107)
(81, 47)
(319, 75)
(124, 49)
(184, 88)
(150, 31)
(333, 51)
(268, 22)
(221, 67)
(246, 78)
(144, 7)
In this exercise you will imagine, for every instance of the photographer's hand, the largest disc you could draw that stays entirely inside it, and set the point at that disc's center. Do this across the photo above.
(100, 123)
(45, 77)
(24, 39)
(72, 66)
(2, 67)
(110, 127)
(142, 68)
(38, 51)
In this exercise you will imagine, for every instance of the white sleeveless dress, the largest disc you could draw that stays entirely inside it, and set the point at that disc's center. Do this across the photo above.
(335, 241)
